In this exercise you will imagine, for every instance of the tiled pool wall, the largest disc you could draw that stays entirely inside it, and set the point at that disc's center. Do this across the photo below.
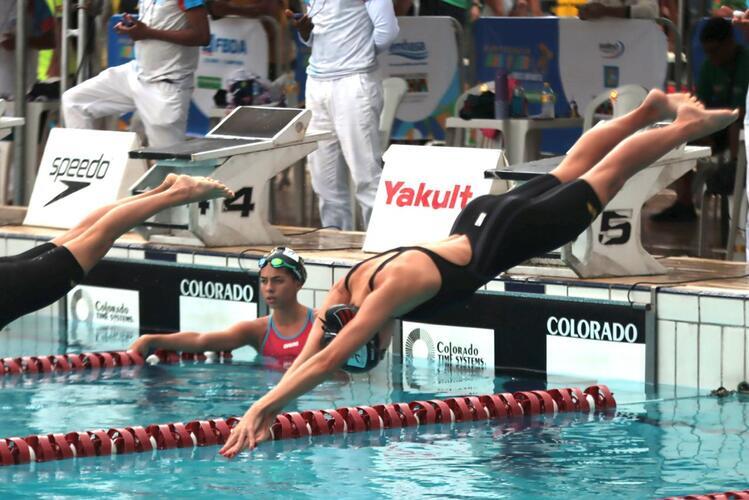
(701, 336)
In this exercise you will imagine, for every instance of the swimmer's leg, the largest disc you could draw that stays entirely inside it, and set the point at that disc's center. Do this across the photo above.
(597, 142)
(100, 212)
(640, 150)
(93, 243)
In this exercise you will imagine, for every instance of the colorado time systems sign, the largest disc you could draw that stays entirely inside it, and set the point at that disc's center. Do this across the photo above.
(533, 331)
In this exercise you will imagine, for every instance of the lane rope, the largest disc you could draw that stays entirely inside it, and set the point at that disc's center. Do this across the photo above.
(292, 425)
(727, 495)
(57, 363)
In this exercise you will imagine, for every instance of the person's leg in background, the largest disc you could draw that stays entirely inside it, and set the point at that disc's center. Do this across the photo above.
(326, 164)
(106, 94)
(163, 107)
(357, 105)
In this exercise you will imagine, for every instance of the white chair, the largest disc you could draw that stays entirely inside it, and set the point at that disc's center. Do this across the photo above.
(625, 99)
(393, 90)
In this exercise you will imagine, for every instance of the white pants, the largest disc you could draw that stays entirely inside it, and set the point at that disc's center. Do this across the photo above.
(162, 106)
(350, 107)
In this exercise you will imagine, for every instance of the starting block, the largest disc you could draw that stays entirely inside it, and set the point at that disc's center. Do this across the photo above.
(612, 244)
(244, 151)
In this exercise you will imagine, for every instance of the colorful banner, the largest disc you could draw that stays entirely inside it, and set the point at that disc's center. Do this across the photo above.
(579, 59)
(236, 44)
(425, 54)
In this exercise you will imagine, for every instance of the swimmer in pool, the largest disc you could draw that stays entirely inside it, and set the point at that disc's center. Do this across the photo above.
(279, 336)
(40, 276)
(491, 234)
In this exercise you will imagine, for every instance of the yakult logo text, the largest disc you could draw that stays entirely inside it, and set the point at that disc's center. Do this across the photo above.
(593, 330)
(399, 194)
(216, 290)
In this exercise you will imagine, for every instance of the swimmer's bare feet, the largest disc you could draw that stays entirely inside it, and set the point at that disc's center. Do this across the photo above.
(190, 189)
(665, 106)
(702, 122)
(168, 182)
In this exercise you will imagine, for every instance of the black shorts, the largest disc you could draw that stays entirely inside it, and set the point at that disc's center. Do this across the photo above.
(528, 221)
(35, 279)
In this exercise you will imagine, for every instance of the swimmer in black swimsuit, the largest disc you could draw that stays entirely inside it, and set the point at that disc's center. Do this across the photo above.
(40, 276)
(490, 235)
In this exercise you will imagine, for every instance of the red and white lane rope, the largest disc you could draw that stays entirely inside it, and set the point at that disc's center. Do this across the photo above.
(96, 360)
(46, 447)
(728, 495)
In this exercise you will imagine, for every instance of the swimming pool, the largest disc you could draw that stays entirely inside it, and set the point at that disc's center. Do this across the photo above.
(680, 442)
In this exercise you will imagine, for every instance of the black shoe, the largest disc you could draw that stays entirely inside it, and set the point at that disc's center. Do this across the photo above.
(678, 212)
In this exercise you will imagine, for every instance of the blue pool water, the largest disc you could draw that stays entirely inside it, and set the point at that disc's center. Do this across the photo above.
(677, 442)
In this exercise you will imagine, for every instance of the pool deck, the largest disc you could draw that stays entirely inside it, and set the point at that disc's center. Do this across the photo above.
(700, 307)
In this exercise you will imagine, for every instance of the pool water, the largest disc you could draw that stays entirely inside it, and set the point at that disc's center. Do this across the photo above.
(660, 441)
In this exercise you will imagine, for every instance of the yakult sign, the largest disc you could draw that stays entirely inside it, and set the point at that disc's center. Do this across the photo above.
(422, 190)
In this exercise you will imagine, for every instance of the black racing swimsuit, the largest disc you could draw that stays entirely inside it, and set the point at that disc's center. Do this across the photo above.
(458, 282)
(505, 230)
(35, 279)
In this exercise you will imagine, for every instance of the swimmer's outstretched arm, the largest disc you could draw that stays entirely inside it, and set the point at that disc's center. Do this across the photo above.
(375, 311)
(236, 336)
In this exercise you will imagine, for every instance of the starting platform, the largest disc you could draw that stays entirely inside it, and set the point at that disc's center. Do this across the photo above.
(611, 246)
(244, 151)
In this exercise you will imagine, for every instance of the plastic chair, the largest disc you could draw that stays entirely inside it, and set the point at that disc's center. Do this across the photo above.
(393, 90)
(628, 97)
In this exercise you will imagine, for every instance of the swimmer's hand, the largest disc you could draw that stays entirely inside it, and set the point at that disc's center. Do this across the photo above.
(251, 430)
(302, 23)
(142, 345)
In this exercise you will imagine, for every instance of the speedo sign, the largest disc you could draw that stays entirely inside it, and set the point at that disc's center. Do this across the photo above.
(422, 189)
(81, 170)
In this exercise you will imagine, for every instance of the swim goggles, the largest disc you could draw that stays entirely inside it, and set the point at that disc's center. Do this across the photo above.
(282, 257)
